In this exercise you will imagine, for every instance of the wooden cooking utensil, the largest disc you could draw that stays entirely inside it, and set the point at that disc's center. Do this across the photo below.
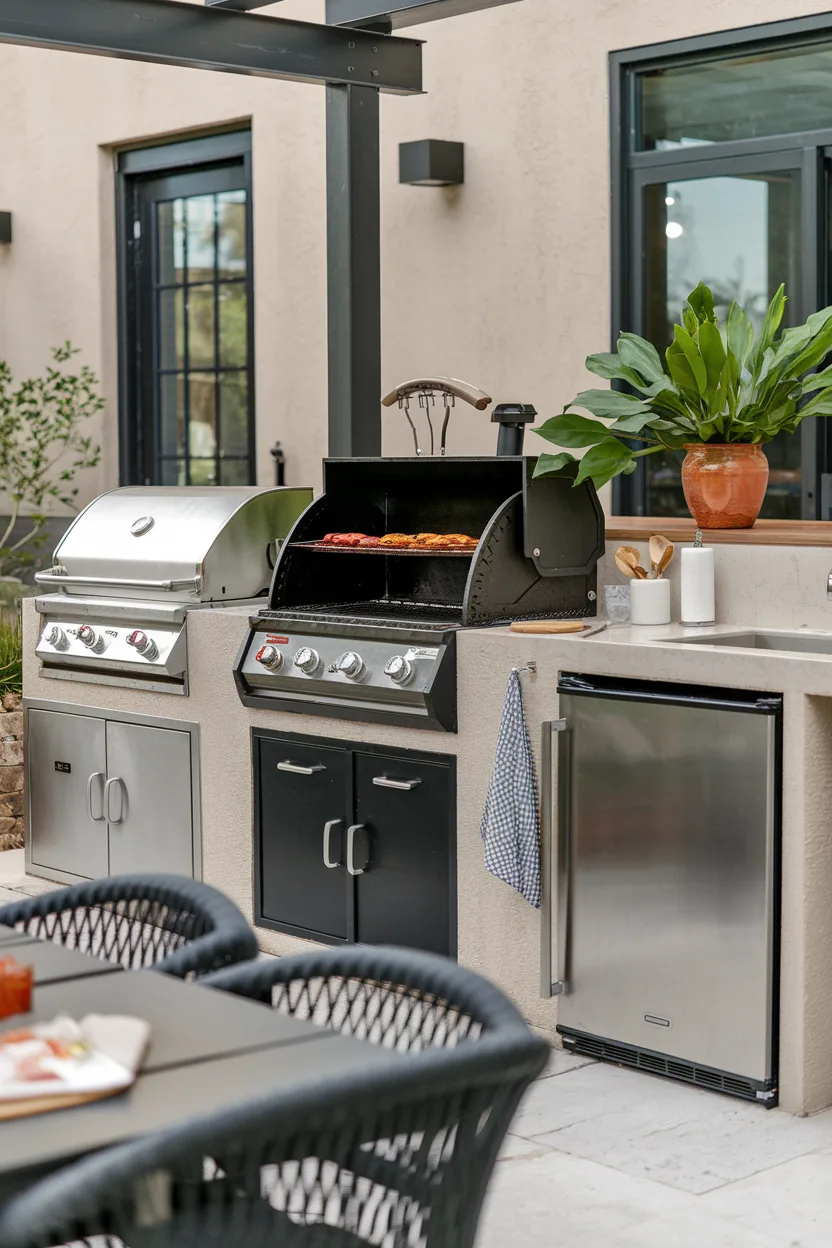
(547, 626)
(661, 552)
(627, 560)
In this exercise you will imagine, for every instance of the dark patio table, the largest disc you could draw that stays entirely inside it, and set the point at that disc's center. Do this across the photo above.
(208, 1051)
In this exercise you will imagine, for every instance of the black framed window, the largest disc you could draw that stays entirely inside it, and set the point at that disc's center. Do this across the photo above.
(186, 296)
(721, 172)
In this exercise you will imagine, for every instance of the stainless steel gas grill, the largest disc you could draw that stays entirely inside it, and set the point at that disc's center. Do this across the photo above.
(368, 633)
(137, 560)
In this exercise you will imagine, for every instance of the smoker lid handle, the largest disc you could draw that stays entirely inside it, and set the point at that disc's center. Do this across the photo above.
(440, 385)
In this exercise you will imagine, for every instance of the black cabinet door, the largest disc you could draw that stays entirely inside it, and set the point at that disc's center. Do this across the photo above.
(402, 839)
(304, 796)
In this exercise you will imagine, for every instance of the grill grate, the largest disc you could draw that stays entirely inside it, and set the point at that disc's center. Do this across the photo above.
(671, 1068)
(389, 612)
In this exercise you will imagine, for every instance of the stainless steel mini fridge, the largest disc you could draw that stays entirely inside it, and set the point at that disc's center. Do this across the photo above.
(661, 879)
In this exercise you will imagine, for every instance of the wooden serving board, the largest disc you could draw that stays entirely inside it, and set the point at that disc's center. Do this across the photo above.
(46, 1104)
(548, 626)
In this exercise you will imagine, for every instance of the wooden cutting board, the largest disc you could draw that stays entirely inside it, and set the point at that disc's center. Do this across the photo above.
(548, 626)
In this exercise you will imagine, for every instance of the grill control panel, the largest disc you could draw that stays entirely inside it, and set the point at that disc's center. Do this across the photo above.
(116, 647)
(352, 675)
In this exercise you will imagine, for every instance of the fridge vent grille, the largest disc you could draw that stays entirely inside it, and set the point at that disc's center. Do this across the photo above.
(654, 1063)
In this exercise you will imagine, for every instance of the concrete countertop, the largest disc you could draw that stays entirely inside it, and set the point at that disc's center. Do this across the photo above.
(648, 653)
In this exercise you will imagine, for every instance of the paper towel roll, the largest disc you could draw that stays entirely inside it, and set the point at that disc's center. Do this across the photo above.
(698, 599)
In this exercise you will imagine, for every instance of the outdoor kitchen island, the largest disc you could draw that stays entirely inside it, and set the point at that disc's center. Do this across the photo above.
(499, 934)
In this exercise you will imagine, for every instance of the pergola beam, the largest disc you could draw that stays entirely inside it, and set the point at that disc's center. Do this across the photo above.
(398, 13)
(167, 32)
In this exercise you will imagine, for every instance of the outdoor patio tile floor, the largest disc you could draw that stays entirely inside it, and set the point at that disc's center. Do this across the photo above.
(605, 1158)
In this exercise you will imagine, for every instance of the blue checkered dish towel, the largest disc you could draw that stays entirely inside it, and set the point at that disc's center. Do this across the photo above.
(510, 821)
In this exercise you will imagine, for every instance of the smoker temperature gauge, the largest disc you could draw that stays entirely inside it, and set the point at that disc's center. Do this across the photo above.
(350, 665)
(56, 637)
(91, 639)
(143, 645)
(399, 669)
(270, 657)
(307, 660)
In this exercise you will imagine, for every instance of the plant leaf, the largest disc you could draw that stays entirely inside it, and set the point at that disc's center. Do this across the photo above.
(701, 303)
(550, 465)
(739, 334)
(774, 316)
(570, 429)
(632, 424)
(603, 462)
(816, 381)
(713, 354)
(609, 403)
(641, 355)
(605, 364)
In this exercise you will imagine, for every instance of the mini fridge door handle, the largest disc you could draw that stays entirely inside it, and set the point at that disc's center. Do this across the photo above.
(556, 797)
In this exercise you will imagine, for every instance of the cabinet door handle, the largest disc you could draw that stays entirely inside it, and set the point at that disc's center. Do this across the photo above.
(328, 861)
(351, 831)
(96, 775)
(108, 788)
(297, 770)
(384, 782)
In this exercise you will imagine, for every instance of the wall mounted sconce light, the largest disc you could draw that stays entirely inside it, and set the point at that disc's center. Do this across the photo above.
(5, 227)
(432, 162)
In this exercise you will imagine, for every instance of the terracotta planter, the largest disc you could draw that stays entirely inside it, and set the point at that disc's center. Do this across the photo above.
(724, 484)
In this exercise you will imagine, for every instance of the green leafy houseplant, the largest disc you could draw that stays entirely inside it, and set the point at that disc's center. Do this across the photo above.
(42, 448)
(718, 383)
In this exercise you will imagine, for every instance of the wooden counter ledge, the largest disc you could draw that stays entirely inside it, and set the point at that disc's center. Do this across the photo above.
(764, 533)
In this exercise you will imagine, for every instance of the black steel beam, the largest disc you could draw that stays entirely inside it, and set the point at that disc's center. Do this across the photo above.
(402, 12)
(170, 33)
(353, 270)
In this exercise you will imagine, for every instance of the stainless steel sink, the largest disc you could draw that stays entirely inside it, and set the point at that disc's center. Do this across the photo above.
(760, 639)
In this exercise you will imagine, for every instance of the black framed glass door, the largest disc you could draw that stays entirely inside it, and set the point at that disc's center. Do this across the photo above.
(721, 171)
(187, 341)
(737, 225)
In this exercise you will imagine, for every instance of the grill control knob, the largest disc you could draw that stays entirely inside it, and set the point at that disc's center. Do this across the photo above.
(56, 637)
(399, 669)
(143, 645)
(307, 660)
(91, 639)
(350, 665)
(270, 657)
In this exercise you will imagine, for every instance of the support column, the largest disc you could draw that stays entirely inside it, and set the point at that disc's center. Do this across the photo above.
(353, 270)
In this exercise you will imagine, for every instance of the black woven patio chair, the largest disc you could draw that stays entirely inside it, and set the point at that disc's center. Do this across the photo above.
(396, 1156)
(165, 922)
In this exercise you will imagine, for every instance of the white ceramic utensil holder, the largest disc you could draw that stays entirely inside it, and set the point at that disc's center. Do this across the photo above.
(650, 602)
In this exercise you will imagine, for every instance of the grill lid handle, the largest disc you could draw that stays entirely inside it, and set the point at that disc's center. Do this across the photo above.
(57, 576)
(426, 389)
(439, 385)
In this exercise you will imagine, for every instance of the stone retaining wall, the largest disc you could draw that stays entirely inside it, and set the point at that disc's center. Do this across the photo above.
(11, 772)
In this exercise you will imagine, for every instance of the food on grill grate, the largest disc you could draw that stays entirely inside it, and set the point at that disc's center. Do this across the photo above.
(403, 541)
(399, 541)
(344, 539)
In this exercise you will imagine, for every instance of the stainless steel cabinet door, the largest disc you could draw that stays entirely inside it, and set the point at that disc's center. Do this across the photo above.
(671, 878)
(148, 799)
(67, 762)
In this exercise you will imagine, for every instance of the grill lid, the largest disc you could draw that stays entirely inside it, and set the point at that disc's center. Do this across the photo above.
(189, 544)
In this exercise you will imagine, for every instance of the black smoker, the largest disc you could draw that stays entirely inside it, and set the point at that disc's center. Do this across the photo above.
(370, 635)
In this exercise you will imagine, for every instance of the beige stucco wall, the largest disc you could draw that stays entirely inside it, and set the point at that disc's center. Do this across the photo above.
(504, 281)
